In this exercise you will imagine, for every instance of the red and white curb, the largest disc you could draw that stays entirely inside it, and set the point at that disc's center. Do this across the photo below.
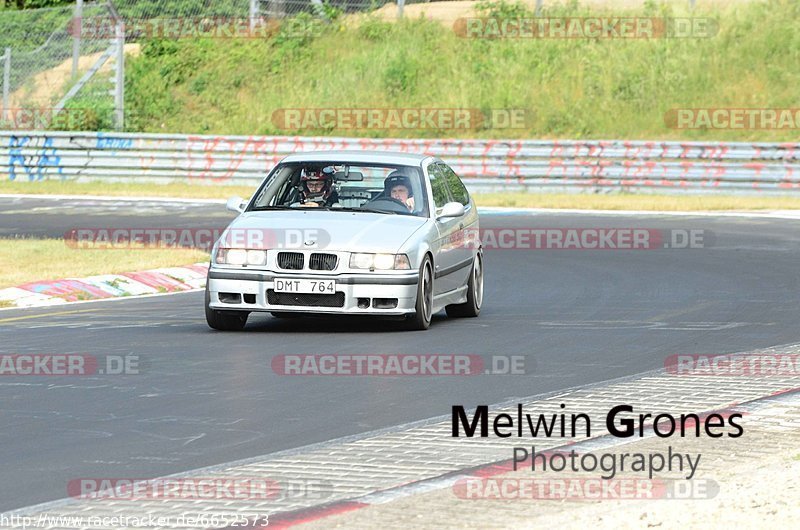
(448, 480)
(384, 466)
(106, 286)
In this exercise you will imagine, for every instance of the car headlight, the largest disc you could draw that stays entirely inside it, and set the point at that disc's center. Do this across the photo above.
(379, 261)
(384, 261)
(240, 256)
(361, 261)
(401, 262)
(256, 257)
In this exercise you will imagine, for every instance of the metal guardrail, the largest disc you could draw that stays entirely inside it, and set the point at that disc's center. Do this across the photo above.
(486, 165)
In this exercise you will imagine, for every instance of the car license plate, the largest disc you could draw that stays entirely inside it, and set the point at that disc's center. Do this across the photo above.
(291, 285)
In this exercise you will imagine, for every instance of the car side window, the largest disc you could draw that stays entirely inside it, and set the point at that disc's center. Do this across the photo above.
(438, 185)
(457, 188)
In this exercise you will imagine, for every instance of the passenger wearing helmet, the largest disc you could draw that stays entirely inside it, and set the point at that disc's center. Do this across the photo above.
(398, 187)
(316, 187)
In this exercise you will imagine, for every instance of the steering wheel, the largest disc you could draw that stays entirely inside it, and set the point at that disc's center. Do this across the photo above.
(392, 202)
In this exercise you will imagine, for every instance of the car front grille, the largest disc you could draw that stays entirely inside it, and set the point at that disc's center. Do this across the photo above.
(322, 262)
(290, 260)
(308, 300)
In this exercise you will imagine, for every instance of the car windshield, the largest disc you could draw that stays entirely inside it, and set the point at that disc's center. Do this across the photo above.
(385, 189)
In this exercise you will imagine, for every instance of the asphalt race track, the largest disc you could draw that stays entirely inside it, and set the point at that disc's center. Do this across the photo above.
(29, 217)
(204, 397)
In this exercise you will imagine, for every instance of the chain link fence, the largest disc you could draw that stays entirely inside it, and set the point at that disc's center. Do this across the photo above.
(66, 57)
(277, 9)
(257, 10)
(37, 49)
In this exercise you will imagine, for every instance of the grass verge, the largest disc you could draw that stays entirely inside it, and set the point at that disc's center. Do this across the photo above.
(599, 88)
(618, 201)
(126, 189)
(28, 260)
(630, 201)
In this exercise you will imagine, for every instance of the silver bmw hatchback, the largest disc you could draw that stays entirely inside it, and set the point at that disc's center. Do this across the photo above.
(350, 232)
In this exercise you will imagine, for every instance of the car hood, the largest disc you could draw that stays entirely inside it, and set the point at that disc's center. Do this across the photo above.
(328, 230)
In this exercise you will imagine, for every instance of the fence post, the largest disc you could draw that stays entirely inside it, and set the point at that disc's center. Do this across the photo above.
(6, 81)
(253, 15)
(538, 11)
(119, 89)
(400, 5)
(77, 28)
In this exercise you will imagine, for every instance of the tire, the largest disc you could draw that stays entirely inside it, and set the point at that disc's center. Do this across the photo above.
(225, 320)
(421, 319)
(472, 307)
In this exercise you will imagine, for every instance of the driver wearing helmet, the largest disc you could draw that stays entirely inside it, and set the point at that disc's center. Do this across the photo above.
(317, 187)
(398, 187)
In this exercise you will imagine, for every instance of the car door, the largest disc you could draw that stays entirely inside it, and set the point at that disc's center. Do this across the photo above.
(465, 229)
(446, 253)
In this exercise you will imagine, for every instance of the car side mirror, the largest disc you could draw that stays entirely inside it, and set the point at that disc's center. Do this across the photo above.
(451, 209)
(235, 204)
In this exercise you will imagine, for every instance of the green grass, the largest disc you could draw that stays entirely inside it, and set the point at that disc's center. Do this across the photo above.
(28, 260)
(187, 191)
(572, 88)
(629, 201)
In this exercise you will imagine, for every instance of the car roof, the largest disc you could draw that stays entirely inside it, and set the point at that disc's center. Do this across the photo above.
(359, 157)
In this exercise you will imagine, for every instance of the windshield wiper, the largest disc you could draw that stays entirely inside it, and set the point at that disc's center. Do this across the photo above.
(375, 210)
(262, 208)
(351, 209)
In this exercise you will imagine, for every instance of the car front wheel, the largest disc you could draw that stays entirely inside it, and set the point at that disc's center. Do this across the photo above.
(224, 320)
(421, 319)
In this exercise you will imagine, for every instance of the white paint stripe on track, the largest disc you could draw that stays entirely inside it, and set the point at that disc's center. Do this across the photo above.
(98, 300)
(490, 210)
(111, 198)
(769, 214)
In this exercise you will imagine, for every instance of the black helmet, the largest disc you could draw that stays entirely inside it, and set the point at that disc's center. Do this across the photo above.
(325, 175)
(396, 178)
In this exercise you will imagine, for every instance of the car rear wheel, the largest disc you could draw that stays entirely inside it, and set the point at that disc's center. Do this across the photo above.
(472, 307)
(224, 320)
(421, 319)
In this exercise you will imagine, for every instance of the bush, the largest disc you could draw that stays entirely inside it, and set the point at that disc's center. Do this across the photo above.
(573, 88)
(502, 9)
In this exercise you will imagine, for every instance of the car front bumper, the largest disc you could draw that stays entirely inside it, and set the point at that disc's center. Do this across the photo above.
(254, 290)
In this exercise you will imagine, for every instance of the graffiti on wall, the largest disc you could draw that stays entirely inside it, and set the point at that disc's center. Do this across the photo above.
(32, 158)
